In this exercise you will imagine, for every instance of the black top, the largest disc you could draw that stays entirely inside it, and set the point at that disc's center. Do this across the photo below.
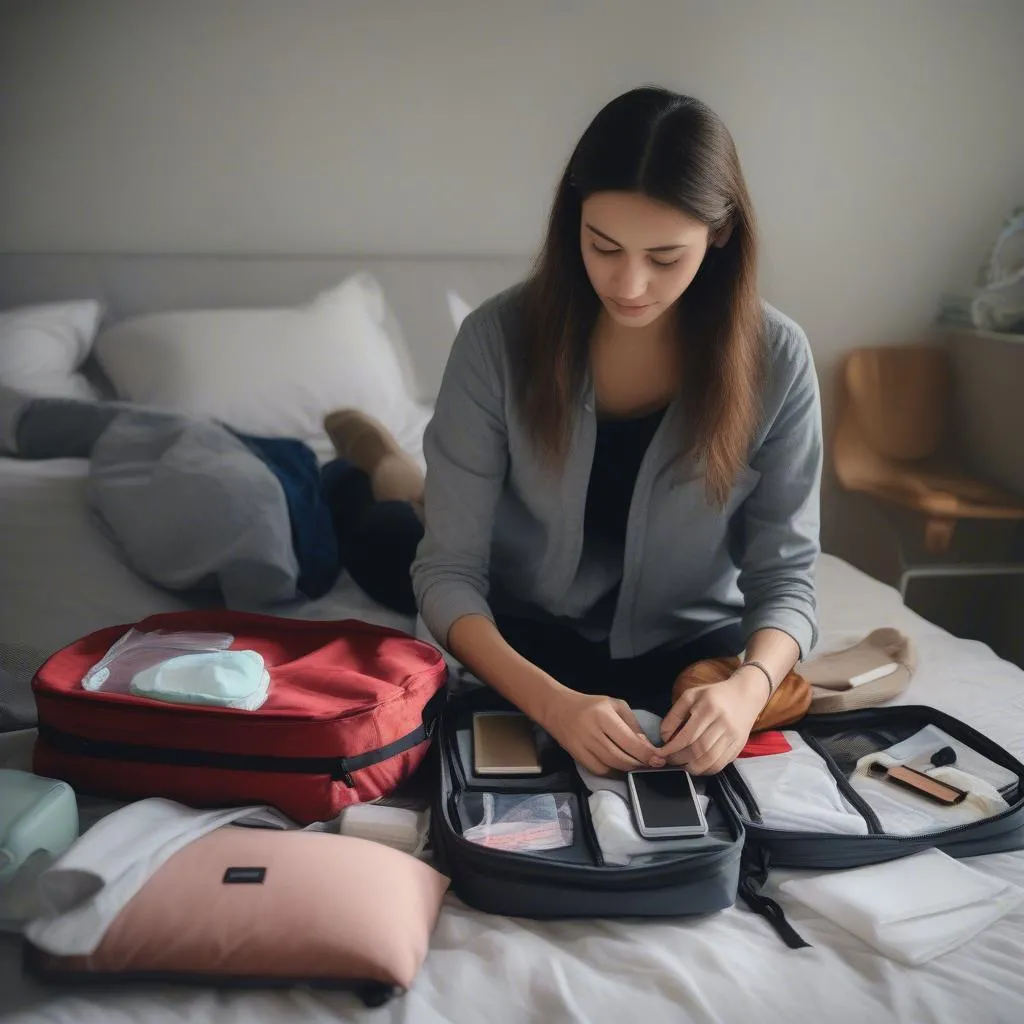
(620, 448)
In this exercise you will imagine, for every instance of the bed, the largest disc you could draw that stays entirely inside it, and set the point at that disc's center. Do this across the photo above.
(61, 576)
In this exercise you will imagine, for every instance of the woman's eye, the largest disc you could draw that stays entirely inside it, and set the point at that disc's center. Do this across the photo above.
(664, 263)
(605, 252)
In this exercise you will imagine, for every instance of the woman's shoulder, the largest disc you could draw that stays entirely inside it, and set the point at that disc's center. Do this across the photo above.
(784, 339)
(486, 331)
(497, 316)
(790, 378)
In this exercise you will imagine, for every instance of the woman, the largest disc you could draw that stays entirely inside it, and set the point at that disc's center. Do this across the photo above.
(624, 462)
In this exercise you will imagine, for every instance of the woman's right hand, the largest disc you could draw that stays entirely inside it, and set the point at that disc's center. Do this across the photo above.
(602, 733)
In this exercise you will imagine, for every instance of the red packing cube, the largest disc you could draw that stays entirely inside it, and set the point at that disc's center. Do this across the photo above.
(349, 715)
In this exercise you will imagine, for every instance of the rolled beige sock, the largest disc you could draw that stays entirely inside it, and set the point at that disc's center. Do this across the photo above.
(367, 444)
(835, 678)
(397, 478)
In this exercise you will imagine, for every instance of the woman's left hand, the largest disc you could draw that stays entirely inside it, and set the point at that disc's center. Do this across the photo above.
(709, 725)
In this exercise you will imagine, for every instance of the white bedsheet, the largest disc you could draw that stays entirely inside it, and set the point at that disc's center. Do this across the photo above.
(729, 967)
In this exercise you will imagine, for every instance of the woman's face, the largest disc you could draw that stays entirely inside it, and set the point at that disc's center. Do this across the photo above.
(640, 255)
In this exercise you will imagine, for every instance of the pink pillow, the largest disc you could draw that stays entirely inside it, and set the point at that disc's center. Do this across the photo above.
(273, 907)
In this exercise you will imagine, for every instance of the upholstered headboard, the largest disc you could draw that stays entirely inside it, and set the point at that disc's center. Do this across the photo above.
(416, 287)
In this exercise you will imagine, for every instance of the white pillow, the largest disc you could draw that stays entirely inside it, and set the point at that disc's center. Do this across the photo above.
(42, 347)
(458, 307)
(268, 372)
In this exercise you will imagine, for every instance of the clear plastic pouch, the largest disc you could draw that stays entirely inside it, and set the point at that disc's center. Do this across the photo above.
(524, 822)
(136, 651)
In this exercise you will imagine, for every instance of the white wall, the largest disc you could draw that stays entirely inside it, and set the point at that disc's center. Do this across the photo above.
(882, 139)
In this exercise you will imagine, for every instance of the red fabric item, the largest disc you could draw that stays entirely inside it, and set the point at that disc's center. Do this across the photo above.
(761, 743)
(338, 690)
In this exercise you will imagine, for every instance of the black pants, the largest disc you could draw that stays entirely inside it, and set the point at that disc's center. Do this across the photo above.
(585, 665)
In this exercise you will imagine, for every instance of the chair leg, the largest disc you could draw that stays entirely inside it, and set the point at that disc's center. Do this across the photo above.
(938, 535)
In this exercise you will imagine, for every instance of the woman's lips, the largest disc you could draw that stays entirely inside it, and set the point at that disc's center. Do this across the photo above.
(630, 309)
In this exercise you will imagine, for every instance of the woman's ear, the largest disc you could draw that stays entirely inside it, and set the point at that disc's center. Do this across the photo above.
(722, 235)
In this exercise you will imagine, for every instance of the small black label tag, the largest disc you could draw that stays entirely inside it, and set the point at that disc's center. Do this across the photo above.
(244, 876)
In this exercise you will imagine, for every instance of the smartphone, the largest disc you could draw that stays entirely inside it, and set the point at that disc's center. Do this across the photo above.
(665, 804)
(504, 743)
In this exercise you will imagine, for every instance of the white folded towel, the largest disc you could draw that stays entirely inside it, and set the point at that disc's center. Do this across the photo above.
(796, 791)
(398, 827)
(912, 909)
(617, 835)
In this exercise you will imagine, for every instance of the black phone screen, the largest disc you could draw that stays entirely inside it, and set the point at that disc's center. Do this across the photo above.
(665, 799)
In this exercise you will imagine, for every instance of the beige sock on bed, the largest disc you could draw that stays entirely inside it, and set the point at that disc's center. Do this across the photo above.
(367, 443)
(885, 660)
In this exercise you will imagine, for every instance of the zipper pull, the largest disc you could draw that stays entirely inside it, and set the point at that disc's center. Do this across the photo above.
(754, 870)
(773, 914)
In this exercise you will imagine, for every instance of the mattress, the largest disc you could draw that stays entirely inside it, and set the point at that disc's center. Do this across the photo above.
(724, 968)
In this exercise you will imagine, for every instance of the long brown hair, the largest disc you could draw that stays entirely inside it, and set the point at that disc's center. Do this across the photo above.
(676, 150)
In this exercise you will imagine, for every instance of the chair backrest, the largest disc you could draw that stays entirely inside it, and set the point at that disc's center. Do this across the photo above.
(900, 398)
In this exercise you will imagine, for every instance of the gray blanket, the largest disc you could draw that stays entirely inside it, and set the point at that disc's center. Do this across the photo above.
(192, 507)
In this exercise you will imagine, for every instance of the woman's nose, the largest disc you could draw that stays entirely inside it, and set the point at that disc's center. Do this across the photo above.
(631, 282)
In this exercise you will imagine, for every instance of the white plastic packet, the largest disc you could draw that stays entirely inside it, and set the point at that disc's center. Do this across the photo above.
(524, 822)
(137, 651)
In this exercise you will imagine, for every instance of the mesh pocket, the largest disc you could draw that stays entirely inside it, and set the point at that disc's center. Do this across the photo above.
(847, 748)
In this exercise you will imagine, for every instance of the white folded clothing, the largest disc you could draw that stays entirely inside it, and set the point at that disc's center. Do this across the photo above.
(617, 835)
(87, 887)
(796, 791)
(912, 909)
(901, 811)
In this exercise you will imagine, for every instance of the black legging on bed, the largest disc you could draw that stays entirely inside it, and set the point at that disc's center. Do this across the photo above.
(377, 540)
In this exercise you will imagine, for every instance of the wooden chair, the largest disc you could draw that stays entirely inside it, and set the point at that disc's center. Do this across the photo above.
(892, 441)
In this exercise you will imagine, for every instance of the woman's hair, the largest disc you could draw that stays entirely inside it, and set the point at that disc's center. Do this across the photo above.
(677, 151)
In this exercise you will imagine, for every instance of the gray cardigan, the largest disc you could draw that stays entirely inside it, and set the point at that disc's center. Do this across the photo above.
(504, 533)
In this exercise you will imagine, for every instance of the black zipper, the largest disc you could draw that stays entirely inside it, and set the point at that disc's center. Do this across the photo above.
(79, 746)
(589, 832)
(337, 768)
(739, 784)
(864, 809)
